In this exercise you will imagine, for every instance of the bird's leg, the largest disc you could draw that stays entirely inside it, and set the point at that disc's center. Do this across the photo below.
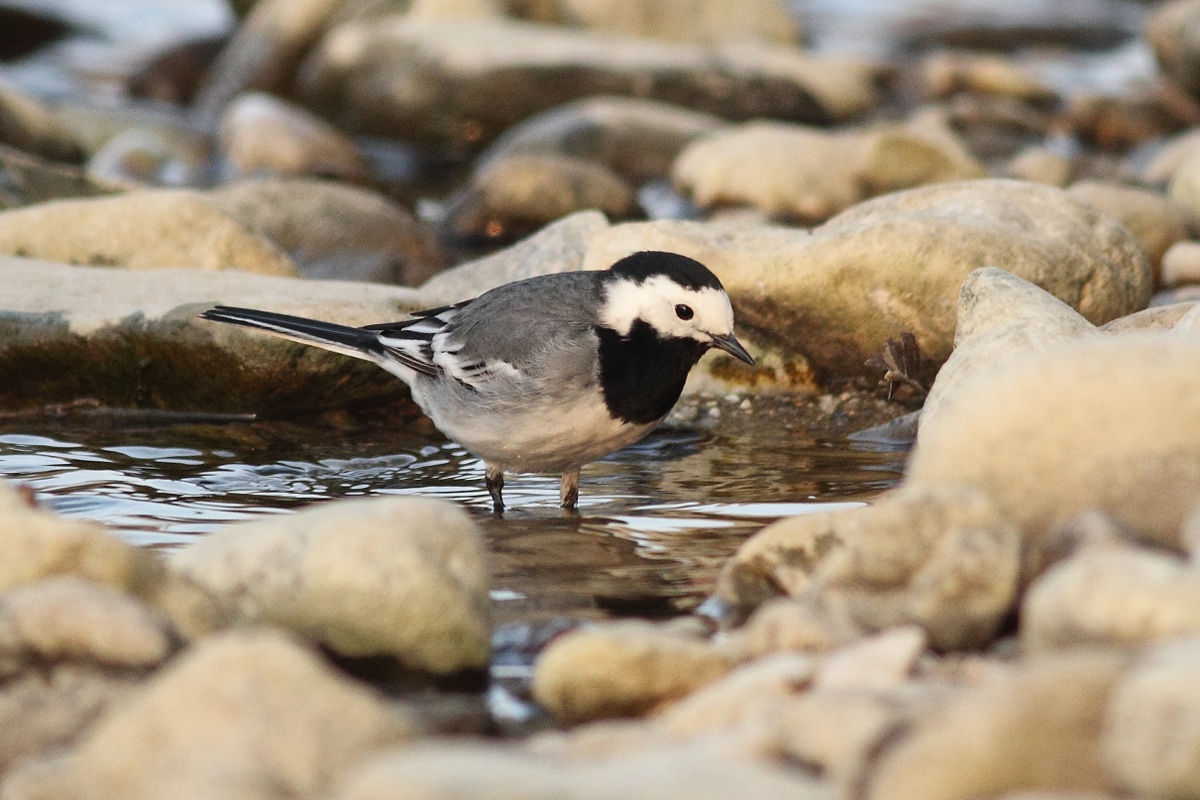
(494, 477)
(568, 493)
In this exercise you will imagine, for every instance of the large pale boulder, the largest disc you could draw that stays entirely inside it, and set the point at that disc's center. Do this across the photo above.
(942, 559)
(402, 577)
(247, 714)
(1035, 726)
(896, 263)
(1104, 423)
(144, 229)
(698, 21)
(805, 174)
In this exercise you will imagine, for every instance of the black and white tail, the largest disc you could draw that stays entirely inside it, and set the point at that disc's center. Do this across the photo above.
(343, 339)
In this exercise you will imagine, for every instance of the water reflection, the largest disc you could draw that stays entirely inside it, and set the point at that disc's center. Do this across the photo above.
(655, 521)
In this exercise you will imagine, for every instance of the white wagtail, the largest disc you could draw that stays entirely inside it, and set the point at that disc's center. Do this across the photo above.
(549, 373)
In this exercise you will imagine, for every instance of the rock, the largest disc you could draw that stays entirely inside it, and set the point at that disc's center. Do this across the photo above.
(1041, 165)
(1038, 727)
(751, 694)
(781, 625)
(146, 229)
(26, 179)
(47, 709)
(622, 669)
(401, 577)
(247, 714)
(695, 21)
(807, 175)
(1154, 318)
(1166, 161)
(67, 619)
(132, 340)
(170, 73)
(1184, 187)
(263, 134)
(151, 156)
(878, 662)
(947, 73)
(1156, 222)
(1151, 744)
(942, 559)
(436, 82)
(1092, 424)
(559, 247)
(896, 263)
(69, 650)
(638, 139)
(1171, 33)
(265, 51)
(457, 9)
(28, 125)
(333, 231)
(1000, 316)
(1114, 596)
(490, 772)
(1181, 264)
(515, 196)
(42, 545)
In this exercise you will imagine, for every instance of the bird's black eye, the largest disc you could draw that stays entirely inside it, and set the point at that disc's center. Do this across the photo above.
(684, 312)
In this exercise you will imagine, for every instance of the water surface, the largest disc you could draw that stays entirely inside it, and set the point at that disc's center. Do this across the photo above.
(655, 521)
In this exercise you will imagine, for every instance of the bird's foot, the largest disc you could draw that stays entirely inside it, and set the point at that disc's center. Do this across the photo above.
(568, 492)
(494, 477)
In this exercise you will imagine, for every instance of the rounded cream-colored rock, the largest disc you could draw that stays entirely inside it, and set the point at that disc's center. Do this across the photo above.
(1152, 726)
(1181, 264)
(334, 231)
(403, 577)
(40, 544)
(1157, 222)
(622, 669)
(143, 229)
(250, 714)
(1172, 33)
(263, 134)
(1037, 727)
(696, 21)
(1111, 595)
(942, 559)
(808, 174)
(67, 619)
(1041, 165)
(896, 263)
(29, 125)
(1104, 423)
(947, 73)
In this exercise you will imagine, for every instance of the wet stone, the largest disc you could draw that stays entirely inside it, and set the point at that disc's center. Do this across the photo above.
(516, 195)
(393, 76)
(636, 138)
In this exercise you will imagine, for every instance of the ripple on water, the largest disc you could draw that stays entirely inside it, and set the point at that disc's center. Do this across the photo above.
(654, 524)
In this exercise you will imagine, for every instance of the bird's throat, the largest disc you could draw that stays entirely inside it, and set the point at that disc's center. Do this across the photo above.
(642, 373)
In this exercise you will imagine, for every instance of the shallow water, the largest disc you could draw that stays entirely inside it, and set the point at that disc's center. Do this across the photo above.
(654, 524)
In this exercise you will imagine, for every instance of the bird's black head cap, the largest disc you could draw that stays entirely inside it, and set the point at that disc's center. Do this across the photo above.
(687, 272)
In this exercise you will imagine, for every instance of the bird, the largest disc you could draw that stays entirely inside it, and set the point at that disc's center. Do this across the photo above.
(545, 374)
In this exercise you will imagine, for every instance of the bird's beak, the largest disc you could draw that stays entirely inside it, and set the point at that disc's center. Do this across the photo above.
(732, 346)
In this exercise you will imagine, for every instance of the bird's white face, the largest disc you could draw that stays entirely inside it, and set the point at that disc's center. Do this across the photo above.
(671, 309)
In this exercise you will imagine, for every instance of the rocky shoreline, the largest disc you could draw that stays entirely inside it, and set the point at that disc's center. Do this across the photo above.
(1014, 254)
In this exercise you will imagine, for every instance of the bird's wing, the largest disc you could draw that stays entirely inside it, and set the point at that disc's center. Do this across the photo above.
(426, 344)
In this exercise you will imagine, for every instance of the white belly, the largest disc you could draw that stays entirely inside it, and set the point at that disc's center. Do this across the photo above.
(553, 438)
